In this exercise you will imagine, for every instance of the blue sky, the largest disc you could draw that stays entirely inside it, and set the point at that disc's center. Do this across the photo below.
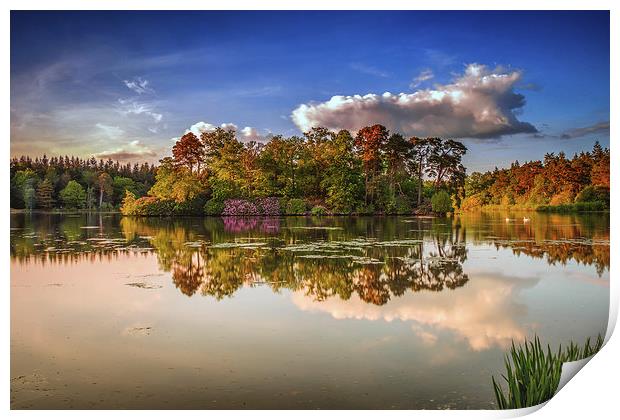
(510, 85)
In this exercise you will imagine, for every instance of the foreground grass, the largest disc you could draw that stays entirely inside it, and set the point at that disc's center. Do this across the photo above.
(533, 375)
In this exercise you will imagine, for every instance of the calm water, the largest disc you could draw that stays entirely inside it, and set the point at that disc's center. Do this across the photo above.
(401, 312)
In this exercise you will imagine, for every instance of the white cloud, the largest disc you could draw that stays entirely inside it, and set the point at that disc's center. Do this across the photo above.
(251, 134)
(481, 103)
(133, 107)
(366, 69)
(110, 131)
(138, 85)
(421, 78)
(485, 314)
(246, 134)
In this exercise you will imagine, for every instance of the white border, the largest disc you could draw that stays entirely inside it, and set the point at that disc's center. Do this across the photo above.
(593, 394)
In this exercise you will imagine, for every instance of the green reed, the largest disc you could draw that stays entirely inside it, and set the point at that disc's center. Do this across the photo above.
(533, 374)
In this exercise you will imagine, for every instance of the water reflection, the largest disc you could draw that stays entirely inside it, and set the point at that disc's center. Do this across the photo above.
(293, 312)
(374, 260)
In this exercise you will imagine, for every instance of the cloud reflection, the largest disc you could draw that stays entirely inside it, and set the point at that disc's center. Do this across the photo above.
(485, 313)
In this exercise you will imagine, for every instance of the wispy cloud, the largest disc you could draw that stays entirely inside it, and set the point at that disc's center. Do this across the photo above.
(598, 128)
(424, 76)
(138, 85)
(134, 107)
(110, 131)
(371, 70)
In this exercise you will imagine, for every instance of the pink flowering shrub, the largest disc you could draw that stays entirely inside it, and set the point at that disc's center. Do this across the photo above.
(238, 207)
(269, 206)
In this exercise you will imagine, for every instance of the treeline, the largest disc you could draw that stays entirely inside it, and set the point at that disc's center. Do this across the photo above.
(320, 172)
(553, 184)
(74, 183)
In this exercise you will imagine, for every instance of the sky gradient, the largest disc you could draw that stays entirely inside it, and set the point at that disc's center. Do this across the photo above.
(510, 85)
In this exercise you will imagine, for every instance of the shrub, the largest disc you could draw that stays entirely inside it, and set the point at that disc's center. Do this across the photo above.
(239, 207)
(269, 206)
(473, 202)
(402, 205)
(593, 194)
(507, 200)
(191, 207)
(573, 208)
(296, 206)
(563, 197)
(365, 209)
(152, 206)
(440, 202)
(318, 211)
(214, 207)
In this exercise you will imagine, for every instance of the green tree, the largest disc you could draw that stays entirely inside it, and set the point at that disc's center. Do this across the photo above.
(440, 202)
(176, 183)
(29, 197)
(45, 192)
(73, 195)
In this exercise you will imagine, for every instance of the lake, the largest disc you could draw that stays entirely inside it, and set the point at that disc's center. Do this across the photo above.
(293, 313)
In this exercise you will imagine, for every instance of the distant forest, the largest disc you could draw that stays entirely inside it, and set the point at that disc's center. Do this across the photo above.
(321, 172)
(71, 182)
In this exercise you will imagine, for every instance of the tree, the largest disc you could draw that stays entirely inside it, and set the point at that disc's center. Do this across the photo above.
(600, 167)
(73, 195)
(104, 182)
(444, 163)
(342, 179)
(189, 151)
(398, 152)
(29, 197)
(370, 142)
(441, 202)
(45, 191)
(23, 181)
(423, 149)
(176, 183)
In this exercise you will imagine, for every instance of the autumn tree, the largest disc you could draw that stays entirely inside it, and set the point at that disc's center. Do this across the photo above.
(370, 142)
(189, 151)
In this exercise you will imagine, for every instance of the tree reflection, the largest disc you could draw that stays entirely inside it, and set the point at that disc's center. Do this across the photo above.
(373, 259)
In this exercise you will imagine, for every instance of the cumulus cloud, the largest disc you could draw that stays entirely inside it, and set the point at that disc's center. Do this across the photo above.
(481, 103)
(598, 128)
(251, 134)
(246, 134)
(133, 151)
(424, 76)
(138, 85)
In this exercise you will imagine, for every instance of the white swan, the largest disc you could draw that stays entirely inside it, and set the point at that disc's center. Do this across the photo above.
(507, 220)
(526, 219)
